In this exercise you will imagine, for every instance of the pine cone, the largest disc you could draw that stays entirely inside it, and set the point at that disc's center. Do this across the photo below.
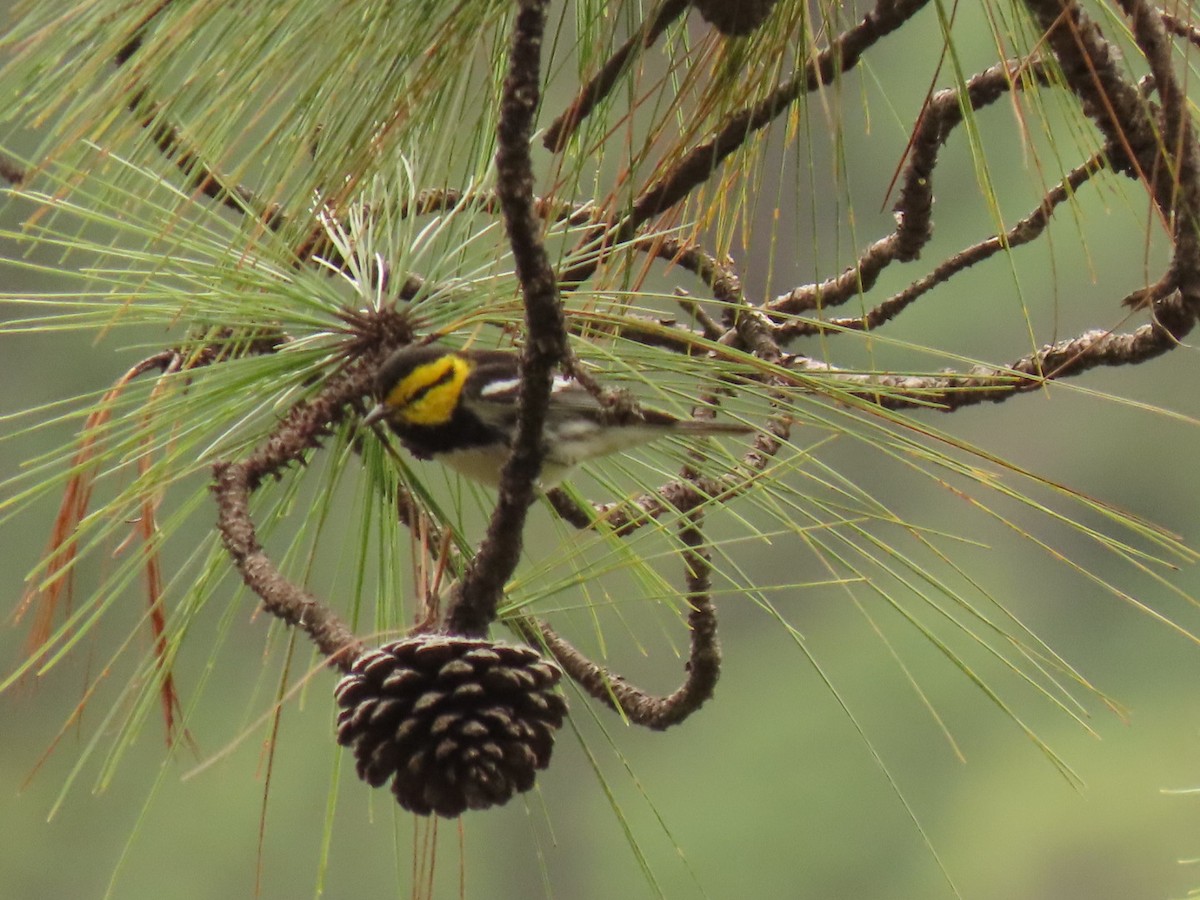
(461, 723)
(736, 18)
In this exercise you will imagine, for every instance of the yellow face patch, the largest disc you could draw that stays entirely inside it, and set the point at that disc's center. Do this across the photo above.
(428, 394)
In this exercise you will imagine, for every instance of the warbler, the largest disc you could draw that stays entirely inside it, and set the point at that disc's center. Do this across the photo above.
(459, 407)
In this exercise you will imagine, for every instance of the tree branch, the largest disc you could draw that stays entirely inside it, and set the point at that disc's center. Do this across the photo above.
(473, 605)
(914, 226)
(704, 657)
(697, 166)
(300, 431)
(994, 384)
(1026, 230)
(561, 130)
(280, 597)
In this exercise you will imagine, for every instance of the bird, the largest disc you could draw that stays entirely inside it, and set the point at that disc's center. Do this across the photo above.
(459, 408)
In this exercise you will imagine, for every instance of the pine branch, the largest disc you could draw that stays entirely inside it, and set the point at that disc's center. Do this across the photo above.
(473, 606)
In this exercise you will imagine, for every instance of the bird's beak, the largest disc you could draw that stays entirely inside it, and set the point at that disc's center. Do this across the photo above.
(377, 414)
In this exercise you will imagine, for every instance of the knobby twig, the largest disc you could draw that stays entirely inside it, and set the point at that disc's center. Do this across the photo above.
(1178, 26)
(704, 656)
(1026, 230)
(201, 177)
(473, 605)
(299, 432)
(170, 142)
(698, 164)
(563, 128)
(1178, 158)
(994, 384)
(684, 495)
(1092, 69)
(914, 209)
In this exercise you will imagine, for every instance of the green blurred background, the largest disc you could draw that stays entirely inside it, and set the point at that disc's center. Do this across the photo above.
(770, 791)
